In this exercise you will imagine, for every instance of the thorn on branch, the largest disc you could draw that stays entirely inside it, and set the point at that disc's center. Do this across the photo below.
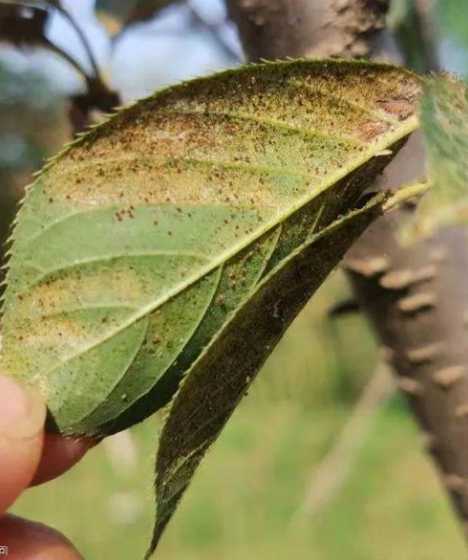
(418, 302)
(447, 377)
(368, 268)
(403, 279)
(424, 354)
(410, 386)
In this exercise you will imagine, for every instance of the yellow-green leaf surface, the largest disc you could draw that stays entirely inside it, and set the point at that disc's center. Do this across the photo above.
(444, 120)
(139, 243)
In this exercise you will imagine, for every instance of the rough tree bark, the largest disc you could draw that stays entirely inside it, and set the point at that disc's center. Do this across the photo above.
(416, 297)
(280, 28)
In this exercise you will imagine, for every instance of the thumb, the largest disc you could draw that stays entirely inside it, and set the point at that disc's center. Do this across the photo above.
(22, 417)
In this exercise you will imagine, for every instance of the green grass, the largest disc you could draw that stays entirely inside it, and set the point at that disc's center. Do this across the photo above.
(244, 502)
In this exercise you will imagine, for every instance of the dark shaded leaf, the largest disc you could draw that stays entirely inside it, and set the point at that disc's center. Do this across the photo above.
(22, 25)
(223, 374)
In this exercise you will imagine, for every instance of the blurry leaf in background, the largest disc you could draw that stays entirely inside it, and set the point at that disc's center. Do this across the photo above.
(27, 104)
(32, 126)
(453, 17)
(22, 26)
(413, 25)
(445, 124)
(118, 14)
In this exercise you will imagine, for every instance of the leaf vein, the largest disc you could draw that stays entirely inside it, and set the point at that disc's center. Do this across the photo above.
(384, 141)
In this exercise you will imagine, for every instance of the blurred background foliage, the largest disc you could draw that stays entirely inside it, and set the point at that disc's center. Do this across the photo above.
(32, 125)
(247, 500)
(452, 16)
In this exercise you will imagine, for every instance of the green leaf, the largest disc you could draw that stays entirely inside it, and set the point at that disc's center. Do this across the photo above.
(444, 117)
(117, 14)
(141, 241)
(445, 126)
(409, 24)
(452, 15)
(223, 374)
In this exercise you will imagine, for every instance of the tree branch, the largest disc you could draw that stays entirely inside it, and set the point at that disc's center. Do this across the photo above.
(297, 28)
(417, 306)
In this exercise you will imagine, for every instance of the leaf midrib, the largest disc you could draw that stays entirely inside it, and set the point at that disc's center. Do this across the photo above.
(309, 133)
(386, 140)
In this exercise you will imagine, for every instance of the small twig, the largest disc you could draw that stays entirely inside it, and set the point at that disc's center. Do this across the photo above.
(98, 95)
(215, 32)
(68, 58)
(83, 39)
(329, 477)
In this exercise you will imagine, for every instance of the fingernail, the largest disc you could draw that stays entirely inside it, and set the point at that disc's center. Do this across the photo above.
(22, 412)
